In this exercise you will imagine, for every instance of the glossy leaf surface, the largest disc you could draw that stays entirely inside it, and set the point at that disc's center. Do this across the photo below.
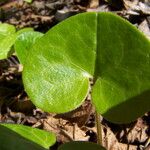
(98, 45)
(24, 42)
(23, 137)
(80, 145)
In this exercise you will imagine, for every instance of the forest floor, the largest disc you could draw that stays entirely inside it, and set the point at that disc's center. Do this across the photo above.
(15, 106)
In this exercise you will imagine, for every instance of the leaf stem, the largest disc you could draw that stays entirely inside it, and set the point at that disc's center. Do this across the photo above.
(99, 128)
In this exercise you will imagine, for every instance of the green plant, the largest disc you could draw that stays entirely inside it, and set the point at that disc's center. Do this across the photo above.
(7, 39)
(24, 42)
(10, 37)
(29, 1)
(26, 137)
(80, 145)
(22, 137)
(98, 46)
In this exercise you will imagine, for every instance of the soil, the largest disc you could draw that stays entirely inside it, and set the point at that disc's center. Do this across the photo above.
(16, 107)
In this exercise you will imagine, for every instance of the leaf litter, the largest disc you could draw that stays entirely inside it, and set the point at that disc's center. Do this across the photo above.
(80, 123)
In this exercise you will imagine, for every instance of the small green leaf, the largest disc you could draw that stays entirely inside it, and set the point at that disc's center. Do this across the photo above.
(13, 135)
(6, 44)
(25, 30)
(6, 29)
(24, 42)
(10, 140)
(7, 39)
(76, 145)
(101, 46)
(29, 1)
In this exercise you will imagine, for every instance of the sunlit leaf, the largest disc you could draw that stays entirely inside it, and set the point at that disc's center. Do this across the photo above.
(29, 1)
(24, 42)
(101, 46)
(22, 137)
(6, 29)
(25, 30)
(7, 39)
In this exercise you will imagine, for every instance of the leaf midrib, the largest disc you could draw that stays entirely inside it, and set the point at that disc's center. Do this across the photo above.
(96, 50)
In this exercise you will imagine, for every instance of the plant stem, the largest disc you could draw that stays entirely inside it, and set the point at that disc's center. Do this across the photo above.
(99, 128)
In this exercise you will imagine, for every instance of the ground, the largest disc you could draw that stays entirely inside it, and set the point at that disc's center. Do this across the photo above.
(16, 107)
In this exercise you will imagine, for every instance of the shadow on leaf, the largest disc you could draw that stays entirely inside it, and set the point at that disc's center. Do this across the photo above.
(10, 140)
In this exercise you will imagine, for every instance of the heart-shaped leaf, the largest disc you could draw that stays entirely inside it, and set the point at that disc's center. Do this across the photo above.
(101, 46)
(24, 42)
(22, 138)
(76, 145)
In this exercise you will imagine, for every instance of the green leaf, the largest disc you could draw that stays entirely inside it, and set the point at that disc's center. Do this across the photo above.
(29, 1)
(122, 89)
(101, 46)
(23, 137)
(7, 39)
(25, 30)
(76, 145)
(6, 44)
(10, 140)
(53, 82)
(24, 43)
(6, 29)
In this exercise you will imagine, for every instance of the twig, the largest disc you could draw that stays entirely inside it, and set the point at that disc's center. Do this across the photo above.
(66, 134)
(43, 18)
